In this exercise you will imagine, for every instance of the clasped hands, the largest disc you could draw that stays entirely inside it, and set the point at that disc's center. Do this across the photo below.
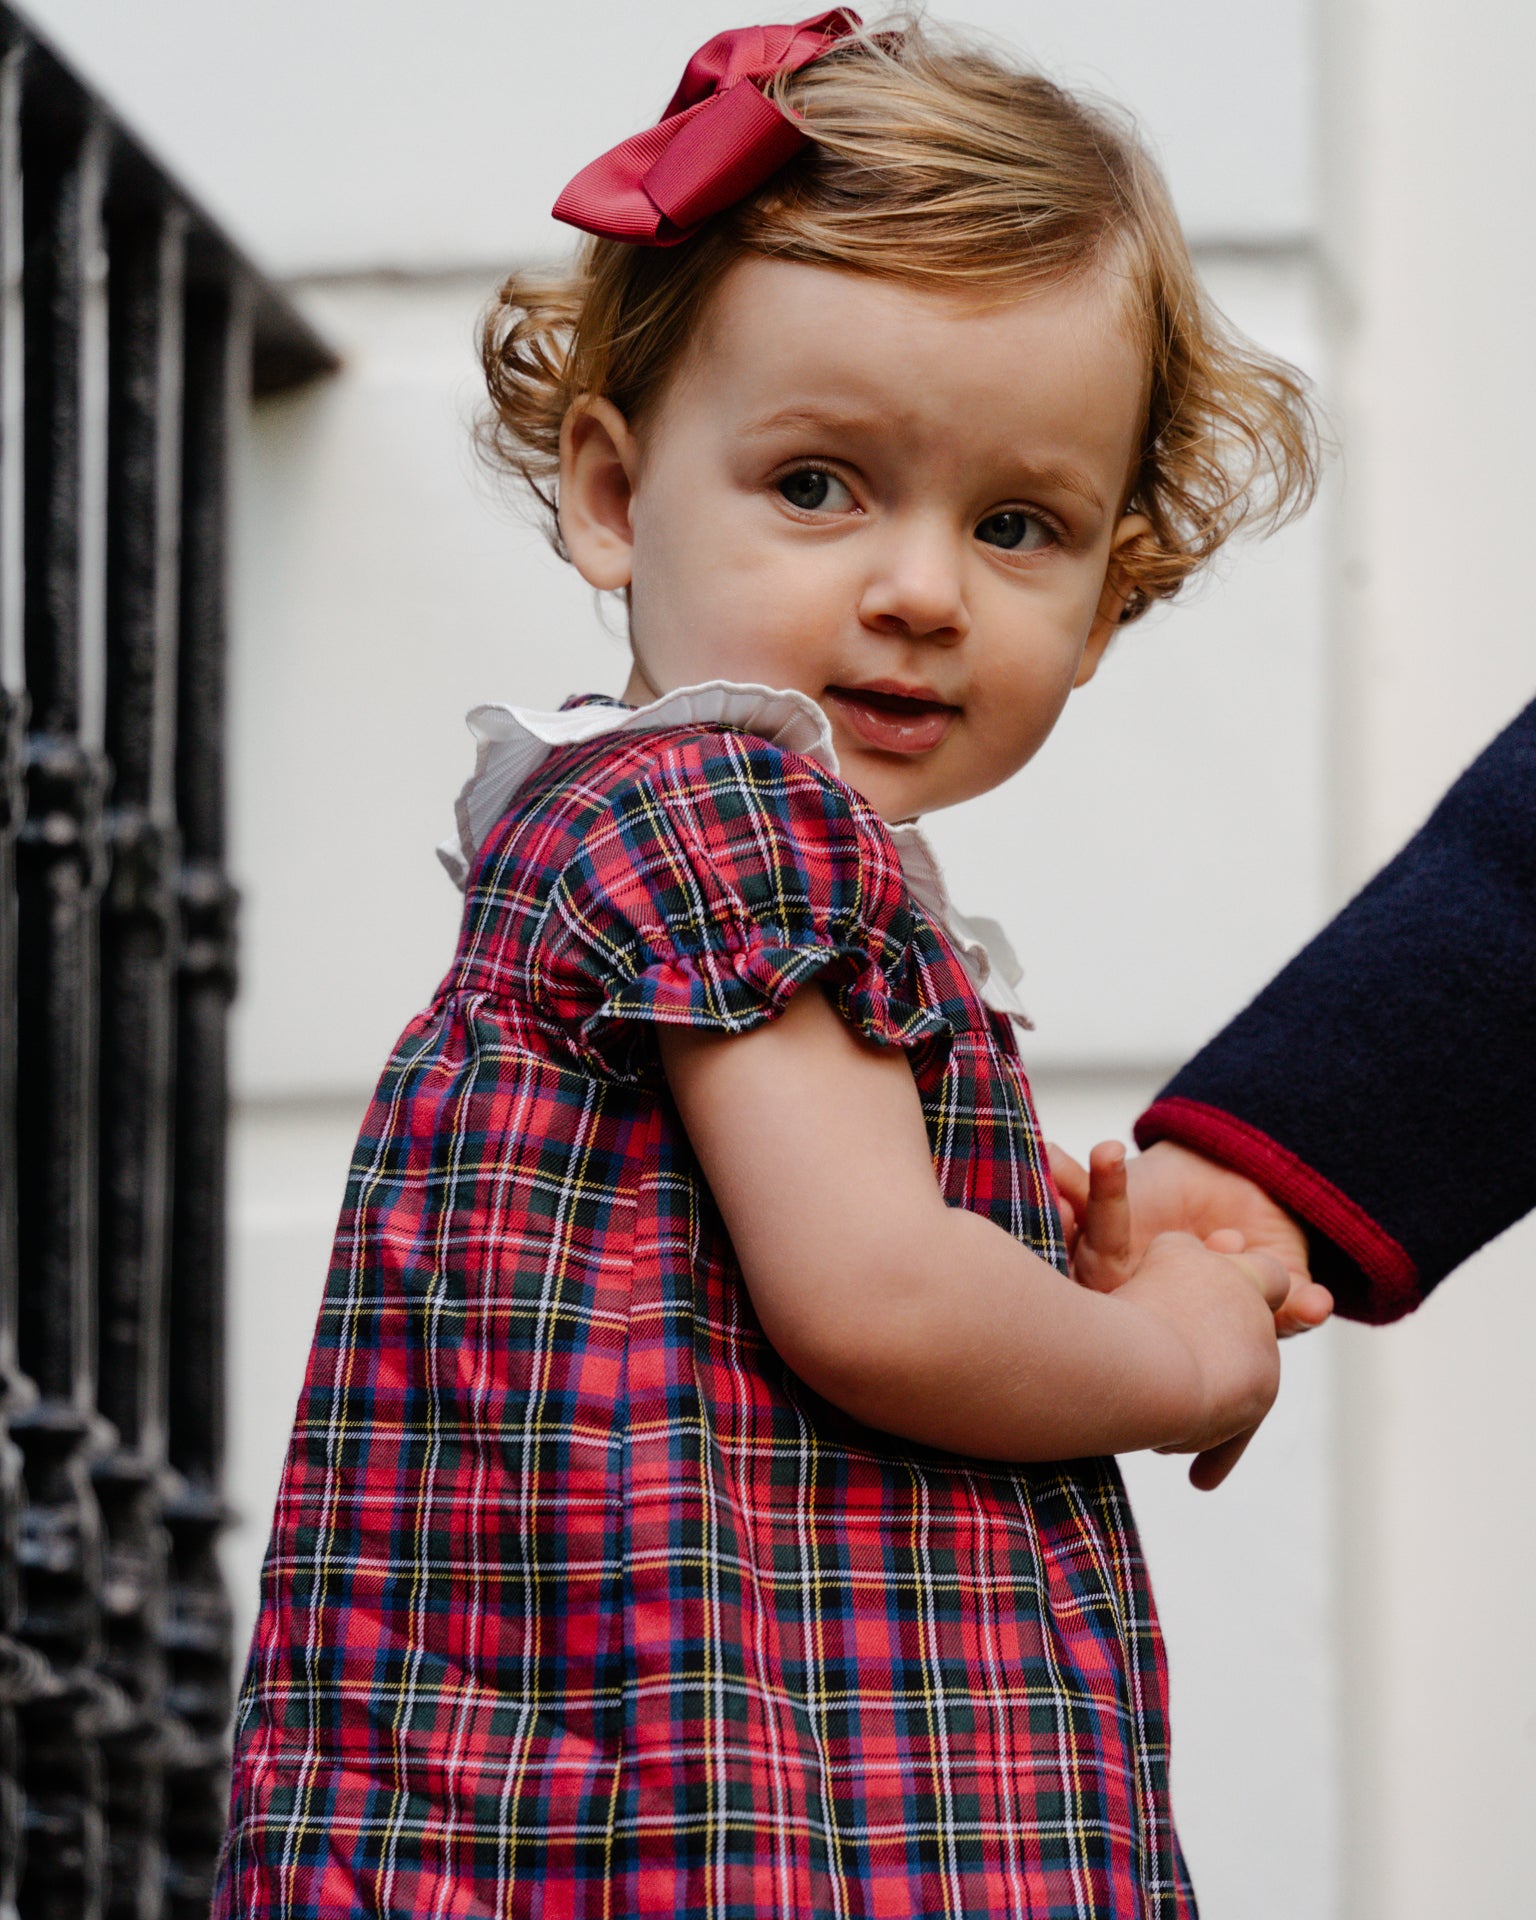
(1116, 1211)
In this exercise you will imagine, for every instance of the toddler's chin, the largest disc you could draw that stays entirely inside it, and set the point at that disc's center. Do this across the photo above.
(887, 799)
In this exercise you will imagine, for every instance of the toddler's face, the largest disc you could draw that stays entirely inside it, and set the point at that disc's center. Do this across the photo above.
(905, 504)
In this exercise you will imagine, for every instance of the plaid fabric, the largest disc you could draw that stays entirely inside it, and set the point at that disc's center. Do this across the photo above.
(578, 1603)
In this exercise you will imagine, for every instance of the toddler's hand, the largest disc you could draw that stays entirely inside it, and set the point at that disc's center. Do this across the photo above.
(1221, 1301)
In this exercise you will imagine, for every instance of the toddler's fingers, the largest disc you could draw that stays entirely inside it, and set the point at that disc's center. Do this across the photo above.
(1107, 1220)
(1269, 1275)
(1207, 1470)
(1104, 1250)
(1306, 1306)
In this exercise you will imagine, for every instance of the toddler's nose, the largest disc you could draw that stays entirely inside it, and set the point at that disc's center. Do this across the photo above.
(917, 586)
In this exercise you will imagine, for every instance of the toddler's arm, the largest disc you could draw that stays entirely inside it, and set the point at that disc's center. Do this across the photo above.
(930, 1321)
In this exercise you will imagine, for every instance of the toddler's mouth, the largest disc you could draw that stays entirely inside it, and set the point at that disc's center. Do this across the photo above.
(894, 722)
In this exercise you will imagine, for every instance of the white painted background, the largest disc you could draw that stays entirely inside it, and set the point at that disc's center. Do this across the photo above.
(1353, 1667)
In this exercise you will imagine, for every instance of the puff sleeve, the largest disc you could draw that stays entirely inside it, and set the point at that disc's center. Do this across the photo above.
(708, 890)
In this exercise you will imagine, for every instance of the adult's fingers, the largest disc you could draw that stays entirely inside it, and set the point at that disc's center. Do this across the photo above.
(1070, 1178)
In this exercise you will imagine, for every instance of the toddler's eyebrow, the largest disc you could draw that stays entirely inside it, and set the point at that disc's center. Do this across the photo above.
(807, 420)
(1051, 475)
(1054, 477)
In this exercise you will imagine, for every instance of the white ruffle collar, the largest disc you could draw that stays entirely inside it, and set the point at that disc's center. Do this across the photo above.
(514, 742)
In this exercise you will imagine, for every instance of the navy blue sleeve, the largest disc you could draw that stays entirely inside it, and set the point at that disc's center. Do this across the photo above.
(1383, 1086)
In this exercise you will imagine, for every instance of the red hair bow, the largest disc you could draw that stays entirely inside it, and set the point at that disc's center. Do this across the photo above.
(718, 139)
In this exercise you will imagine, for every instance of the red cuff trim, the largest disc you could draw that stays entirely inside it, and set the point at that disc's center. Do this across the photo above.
(1393, 1277)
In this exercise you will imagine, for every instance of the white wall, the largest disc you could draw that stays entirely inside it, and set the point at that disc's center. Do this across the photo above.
(360, 134)
(1169, 849)
(1428, 149)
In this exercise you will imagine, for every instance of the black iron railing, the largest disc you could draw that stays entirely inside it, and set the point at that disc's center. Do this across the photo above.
(131, 333)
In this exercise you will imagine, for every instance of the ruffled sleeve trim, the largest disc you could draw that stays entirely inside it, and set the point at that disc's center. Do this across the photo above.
(734, 989)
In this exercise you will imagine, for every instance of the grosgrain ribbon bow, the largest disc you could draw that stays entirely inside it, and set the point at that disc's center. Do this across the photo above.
(719, 138)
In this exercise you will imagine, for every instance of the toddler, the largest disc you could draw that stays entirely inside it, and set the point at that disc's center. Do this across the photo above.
(702, 1501)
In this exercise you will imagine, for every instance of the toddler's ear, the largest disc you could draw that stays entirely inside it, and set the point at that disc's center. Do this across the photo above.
(1116, 591)
(598, 464)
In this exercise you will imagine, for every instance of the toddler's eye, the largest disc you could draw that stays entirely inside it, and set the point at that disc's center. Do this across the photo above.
(812, 488)
(1014, 529)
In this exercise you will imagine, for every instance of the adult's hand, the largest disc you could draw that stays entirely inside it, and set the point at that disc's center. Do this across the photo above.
(1169, 1189)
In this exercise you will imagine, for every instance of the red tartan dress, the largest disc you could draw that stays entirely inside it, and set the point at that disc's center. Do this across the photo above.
(578, 1601)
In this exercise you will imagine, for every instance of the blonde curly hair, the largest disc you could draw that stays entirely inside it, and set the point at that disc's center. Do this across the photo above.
(935, 162)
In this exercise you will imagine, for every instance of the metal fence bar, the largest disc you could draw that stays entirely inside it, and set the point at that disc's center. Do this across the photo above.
(60, 867)
(199, 1629)
(139, 946)
(130, 330)
(17, 1663)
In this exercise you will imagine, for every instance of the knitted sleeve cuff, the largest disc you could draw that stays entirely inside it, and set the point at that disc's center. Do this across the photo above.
(1370, 1274)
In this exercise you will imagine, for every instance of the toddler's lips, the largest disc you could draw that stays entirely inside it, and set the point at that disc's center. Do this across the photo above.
(893, 722)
